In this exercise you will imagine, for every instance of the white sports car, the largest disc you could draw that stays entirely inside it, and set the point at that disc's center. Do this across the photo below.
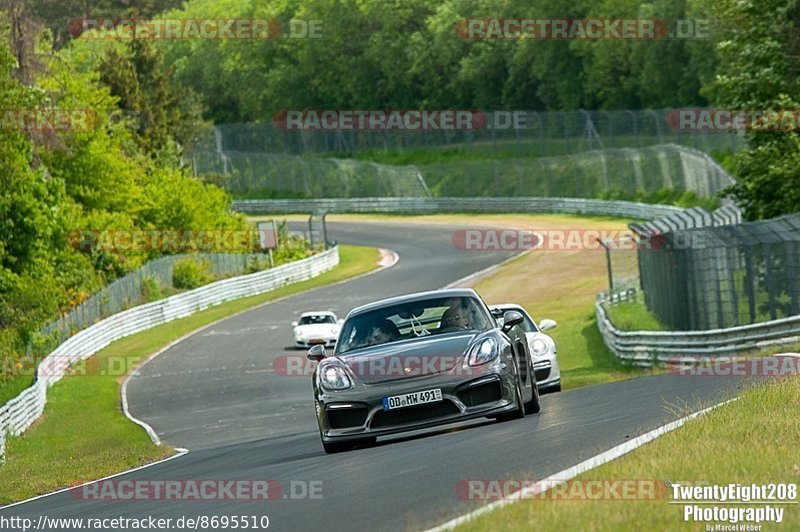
(313, 328)
(542, 347)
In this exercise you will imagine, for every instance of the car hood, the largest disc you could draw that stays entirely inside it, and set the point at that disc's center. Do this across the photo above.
(408, 359)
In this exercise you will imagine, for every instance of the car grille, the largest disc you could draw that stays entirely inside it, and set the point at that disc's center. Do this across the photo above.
(343, 418)
(480, 394)
(414, 414)
(542, 370)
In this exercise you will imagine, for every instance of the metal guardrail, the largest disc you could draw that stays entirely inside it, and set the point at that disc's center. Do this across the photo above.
(421, 205)
(650, 348)
(20, 412)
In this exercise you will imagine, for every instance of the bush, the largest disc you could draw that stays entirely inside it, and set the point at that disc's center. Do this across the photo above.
(191, 272)
(151, 289)
(257, 264)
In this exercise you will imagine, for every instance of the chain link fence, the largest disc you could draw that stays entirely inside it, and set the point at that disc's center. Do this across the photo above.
(542, 134)
(722, 276)
(264, 175)
(128, 291)
(568, 154)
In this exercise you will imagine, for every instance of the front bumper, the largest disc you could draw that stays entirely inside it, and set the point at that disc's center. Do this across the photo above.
(307, 343)
(548, 374)
(358, 413)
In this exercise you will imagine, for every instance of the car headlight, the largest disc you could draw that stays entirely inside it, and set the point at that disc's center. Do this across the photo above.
(333, 377)
(297, 333)
(539, 347)
(483, 352)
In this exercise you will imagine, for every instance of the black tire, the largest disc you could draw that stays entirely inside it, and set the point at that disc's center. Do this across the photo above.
(519, 413)
(533, 406)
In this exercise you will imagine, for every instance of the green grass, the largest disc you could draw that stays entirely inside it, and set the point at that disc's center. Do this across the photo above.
(13, 386)
(83, 434)
(633, 315)
(750, 441)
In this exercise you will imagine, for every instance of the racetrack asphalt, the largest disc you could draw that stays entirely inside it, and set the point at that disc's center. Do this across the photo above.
(218, 395)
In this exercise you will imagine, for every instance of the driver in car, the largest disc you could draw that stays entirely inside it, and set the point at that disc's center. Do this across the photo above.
(381, 332)
(455, 318)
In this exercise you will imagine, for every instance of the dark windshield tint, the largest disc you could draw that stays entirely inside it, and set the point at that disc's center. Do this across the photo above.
(412, 320)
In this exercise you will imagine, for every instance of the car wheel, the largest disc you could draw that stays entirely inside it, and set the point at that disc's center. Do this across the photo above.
(519, 413)
(533, 406)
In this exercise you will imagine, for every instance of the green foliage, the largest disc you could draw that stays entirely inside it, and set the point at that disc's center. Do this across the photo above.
(291, 247)
(257, 264)
(60, 15)
(191, 273)
(93, 177)
(758, 70)
(151, 289)
(167, 114)
(407, 54)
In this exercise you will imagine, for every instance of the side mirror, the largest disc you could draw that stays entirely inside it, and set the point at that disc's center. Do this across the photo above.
(546, 325)
(340, 322)
(510, 319)
(316, 353)
(294, 324)
(497, 313)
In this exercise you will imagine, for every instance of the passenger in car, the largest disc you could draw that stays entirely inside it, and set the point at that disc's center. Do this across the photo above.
(382, 332)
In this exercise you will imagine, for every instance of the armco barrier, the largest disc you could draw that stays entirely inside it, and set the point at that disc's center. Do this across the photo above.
(649, 348)
(625, 209)
(20, 412)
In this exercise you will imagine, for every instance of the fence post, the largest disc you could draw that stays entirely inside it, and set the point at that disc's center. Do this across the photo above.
(608, 266)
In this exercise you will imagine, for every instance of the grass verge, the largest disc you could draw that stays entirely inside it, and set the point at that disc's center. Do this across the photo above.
(750, 441)
(83, 434)
(633, 315)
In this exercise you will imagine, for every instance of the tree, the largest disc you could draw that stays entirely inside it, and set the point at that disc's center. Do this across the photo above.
(759, 69)
(166, 113)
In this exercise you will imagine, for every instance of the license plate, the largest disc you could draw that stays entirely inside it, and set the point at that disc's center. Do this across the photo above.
(316, 341)
(412, 399)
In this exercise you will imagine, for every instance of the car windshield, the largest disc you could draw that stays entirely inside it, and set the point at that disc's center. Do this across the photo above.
(412, 320)
(317, 319)
(527, 324)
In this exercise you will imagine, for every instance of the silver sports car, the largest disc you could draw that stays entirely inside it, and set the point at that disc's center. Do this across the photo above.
(418, 361)
(542, 347)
